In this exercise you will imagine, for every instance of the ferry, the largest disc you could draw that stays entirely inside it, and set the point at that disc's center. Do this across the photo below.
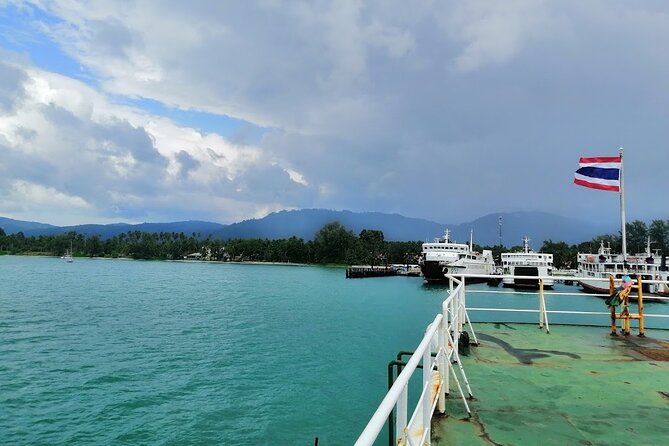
(443, 256)
(604, 263)
(526, 263)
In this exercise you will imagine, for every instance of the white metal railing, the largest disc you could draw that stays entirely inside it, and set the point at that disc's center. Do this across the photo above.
(570, 278)
(441, 338)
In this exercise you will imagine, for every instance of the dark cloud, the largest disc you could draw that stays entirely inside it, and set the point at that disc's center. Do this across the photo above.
(270, 184)
(12, 90)
(186, 163)
(126, 138)
(112, 38)
(64, 119)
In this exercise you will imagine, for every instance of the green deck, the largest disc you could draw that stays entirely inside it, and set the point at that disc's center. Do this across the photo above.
(575, 386)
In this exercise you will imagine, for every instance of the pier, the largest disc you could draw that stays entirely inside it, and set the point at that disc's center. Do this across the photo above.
(359, 271)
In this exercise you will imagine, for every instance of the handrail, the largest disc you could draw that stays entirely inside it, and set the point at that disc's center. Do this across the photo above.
(550, 277)
(375, 424)
(441, 335)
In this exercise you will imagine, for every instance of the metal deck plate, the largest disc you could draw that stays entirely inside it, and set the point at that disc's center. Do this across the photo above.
(576, 385)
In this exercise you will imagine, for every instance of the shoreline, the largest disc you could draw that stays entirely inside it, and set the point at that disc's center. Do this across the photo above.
(250, 262)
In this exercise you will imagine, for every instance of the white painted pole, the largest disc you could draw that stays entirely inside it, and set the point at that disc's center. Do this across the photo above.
(446, 321)
(427, 400)
(622, 207)
(443, 357)
(542, 309)
(402, 410)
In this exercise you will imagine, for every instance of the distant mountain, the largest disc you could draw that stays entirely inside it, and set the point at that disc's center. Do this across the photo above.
(11, 226)
(538, 226)
(306, 222)
(203, 228)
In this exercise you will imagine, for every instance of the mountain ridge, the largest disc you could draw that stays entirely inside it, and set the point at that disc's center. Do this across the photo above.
(304, 223)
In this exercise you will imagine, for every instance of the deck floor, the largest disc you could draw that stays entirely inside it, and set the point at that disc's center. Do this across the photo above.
(574, 386)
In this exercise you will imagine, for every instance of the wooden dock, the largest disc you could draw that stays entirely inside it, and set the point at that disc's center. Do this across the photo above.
(359, 271)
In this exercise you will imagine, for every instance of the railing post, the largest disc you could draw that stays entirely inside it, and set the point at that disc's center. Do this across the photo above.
(427, 385)
(640, 304)
(427, 366)
(612, 289)
(461, 306)
(442, 365)
(401, 420)
(541, 304)
(447, 350)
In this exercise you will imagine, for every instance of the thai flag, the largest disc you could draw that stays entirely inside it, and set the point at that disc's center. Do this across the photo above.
(601, 172)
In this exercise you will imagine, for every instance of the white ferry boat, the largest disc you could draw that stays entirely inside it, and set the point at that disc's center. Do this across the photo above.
(526, 263)
(443, 256)
(603, 264)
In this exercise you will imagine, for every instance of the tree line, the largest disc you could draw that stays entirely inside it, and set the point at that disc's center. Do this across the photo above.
(332, 244)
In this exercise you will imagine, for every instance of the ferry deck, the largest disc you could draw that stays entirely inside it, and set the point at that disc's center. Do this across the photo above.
(521, 383)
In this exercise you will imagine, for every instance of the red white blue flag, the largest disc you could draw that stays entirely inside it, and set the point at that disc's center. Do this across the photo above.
(601, 172)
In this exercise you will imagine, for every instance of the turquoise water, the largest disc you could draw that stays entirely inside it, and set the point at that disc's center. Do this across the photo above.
(133, 352)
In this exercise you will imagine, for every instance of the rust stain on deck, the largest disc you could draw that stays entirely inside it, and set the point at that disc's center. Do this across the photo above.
(656, 354)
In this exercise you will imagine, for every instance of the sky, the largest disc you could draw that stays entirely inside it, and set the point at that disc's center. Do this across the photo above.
(159, 111)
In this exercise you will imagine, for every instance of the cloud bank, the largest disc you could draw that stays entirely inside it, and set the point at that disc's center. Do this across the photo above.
(441, 110)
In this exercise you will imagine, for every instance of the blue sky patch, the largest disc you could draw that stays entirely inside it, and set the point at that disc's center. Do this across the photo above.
(237, 130)
(20, 32)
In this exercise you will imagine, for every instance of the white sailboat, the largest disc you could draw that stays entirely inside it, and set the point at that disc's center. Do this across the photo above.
(68, 254)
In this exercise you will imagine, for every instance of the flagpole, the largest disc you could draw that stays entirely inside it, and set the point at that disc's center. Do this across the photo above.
(622, 208)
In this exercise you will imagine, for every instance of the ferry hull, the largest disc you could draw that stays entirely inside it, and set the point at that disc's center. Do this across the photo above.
(526, 283)
(435, 272)
(514, 281)
(596, 287)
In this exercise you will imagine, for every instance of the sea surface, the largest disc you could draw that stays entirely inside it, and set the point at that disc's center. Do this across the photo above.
(123, 352)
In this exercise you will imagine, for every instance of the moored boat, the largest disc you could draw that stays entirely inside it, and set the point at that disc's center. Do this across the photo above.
(68, 255)
(526, 263)
(443, 256)
(648, 266)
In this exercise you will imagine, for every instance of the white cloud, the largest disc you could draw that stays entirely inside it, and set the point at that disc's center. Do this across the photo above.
(297, 177)
(69, 142)
(38, 195)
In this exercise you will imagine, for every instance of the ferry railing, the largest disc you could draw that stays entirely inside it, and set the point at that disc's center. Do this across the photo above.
(542, 309)
(437, 352)
(443, 335)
